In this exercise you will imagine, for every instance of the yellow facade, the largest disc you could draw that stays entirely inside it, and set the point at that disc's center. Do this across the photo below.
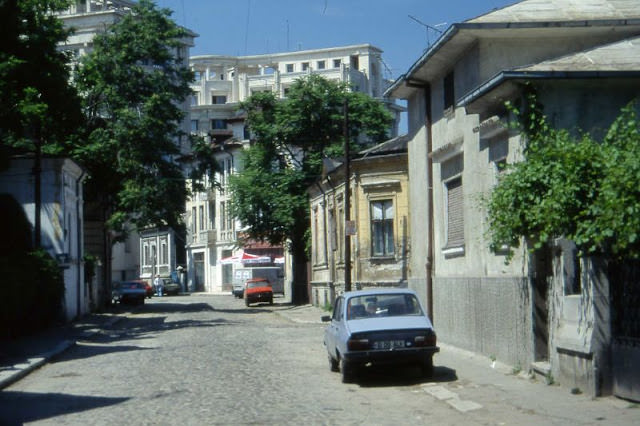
(379, 209)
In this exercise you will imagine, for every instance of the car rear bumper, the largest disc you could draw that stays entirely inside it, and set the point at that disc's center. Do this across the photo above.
(259, 297)
(391, 356)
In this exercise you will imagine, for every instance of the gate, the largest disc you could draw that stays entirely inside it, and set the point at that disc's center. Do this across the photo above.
(624, 279)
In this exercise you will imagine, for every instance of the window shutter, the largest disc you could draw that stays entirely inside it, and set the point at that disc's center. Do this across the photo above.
(455, 213)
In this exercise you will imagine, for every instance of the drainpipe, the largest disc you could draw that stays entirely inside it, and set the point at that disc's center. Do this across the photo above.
(79, 222)
(430, 259)
(347, 201)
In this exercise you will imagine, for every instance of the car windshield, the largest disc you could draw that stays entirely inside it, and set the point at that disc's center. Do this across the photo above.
(383, 305)
(254, 284)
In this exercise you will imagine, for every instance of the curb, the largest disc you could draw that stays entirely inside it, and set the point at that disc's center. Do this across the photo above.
(16, 372)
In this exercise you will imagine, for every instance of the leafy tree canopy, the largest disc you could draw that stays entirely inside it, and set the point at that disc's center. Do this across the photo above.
(38, 106)
(291, 138)
(578, 188)
(133, 85)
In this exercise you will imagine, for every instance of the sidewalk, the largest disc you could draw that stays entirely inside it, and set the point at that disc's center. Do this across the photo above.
(19, 357)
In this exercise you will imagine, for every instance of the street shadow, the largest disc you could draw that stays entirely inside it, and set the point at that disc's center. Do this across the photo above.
(139, 328)
(402, 376)
(169, 308)
(18, 408)
(81, 351)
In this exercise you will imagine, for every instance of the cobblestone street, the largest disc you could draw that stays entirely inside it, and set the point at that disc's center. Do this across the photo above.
(201, 359)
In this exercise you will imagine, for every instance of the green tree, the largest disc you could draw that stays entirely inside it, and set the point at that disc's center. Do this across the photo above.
(133, 84)
(578, 188)
(39, 109)
(291, 138)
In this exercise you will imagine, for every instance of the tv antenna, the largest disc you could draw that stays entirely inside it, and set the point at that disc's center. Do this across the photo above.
(428, 27)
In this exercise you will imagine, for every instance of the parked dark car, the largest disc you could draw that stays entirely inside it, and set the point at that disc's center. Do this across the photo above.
(258, 290)
(128, 292)
(377, 327)
(171, 288)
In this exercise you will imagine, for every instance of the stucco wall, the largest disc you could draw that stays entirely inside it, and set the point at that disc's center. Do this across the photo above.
(418, 199)
(490, 316)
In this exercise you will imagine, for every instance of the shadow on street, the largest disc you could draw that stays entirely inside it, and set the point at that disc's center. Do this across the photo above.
(402, 376)
(44, 406)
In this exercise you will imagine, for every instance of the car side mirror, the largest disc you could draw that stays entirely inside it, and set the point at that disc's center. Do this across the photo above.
(326, 318)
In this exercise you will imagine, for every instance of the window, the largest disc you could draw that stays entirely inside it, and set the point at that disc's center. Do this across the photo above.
(355, 63)
(337, 311)
(217, 124)
(305, 66)
(321, 65)
(449, 96)
(382, 228)
(223, 215)
(194, 220)
(194, 126)
(212, 215)
(337, 63)
(455, 213)
(194, 100)
(164, 252)
(218, 100)
(201, 218)
(289, 67)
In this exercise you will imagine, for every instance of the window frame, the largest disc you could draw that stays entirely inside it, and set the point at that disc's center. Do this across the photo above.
(382, 228)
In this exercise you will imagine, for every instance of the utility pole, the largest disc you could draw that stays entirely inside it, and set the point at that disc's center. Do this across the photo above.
(37, 172)
(347, 201)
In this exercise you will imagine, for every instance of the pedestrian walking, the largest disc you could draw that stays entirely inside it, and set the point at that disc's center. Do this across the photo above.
(158, 284)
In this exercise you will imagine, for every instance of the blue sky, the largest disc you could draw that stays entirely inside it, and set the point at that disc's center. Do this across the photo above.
(251, 27)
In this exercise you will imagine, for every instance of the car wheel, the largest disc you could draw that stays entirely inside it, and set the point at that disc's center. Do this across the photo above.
(427, 367)
(271, 301)
(346, 369)
(333, 364)
(246, 302)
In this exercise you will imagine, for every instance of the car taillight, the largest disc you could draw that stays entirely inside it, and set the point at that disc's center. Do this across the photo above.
(426, 340)
(357, 344)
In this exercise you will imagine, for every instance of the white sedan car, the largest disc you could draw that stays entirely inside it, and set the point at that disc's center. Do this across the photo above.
(381, 326)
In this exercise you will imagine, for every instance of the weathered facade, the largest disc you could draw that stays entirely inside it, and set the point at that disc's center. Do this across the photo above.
(582, 60)
(379, 241)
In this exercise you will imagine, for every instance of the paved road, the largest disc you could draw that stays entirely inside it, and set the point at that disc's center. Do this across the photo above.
(204, 360)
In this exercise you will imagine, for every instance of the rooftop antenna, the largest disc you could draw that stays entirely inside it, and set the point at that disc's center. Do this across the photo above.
(428, 27)
(246, 31)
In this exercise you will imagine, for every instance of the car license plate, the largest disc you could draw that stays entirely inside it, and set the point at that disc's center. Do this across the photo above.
(388, 344)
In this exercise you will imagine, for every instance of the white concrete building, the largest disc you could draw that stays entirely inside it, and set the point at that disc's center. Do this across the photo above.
(549, 311)
(221, 83)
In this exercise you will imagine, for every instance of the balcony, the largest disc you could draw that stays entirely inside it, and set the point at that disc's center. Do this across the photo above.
(205, 237)
(227, 236)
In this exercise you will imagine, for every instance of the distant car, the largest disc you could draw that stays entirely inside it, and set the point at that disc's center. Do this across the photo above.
(148, 288)
(128, 292)
(381, 326)
(258, 290)
(171, 288)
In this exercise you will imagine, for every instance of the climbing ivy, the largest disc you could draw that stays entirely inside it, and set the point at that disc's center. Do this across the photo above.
(570, 186)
